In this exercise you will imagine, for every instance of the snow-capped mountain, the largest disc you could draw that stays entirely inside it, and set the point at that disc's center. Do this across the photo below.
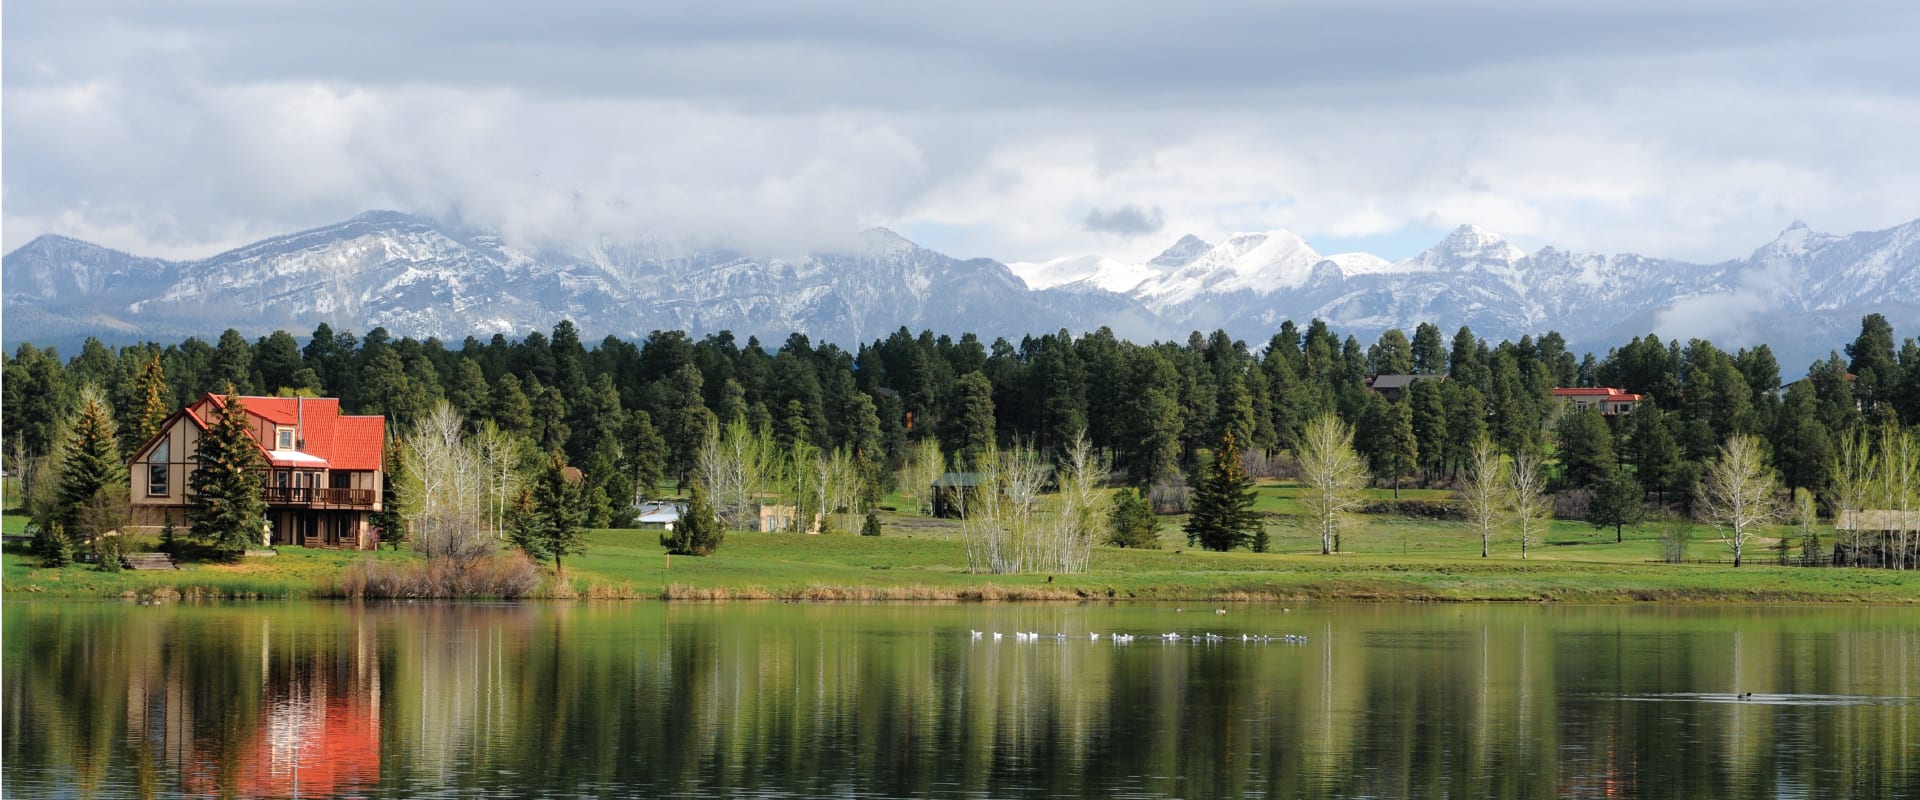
(1803, 293)
(420, 277)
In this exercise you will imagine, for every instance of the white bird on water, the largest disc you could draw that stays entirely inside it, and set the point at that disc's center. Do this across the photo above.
(997, 635)
(976, 634)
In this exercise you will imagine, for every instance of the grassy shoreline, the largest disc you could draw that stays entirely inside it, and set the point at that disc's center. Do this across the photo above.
(1392, 559)
(629, 565)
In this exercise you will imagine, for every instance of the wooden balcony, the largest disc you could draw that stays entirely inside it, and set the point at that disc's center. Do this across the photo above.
(316, 496)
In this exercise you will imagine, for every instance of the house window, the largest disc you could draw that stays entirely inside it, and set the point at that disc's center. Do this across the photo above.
(283, 439)
(157, 469)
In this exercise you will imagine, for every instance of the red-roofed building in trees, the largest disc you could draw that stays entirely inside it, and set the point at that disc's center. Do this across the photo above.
(323, 481)
(1606, 400)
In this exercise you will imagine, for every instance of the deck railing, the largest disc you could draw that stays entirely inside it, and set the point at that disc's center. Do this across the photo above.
(312, 495)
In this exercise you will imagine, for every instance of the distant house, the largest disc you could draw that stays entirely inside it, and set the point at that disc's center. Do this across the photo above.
(324, 468)
(658, 514)
(1604, 399)
(1852, 388)
(1880, 542)
(952, 491)
(1394, 387)
(770, 518)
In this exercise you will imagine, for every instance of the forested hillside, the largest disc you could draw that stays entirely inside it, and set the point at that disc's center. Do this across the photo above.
(629, 412)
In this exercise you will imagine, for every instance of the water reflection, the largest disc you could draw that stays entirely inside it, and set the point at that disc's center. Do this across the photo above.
(107, 700)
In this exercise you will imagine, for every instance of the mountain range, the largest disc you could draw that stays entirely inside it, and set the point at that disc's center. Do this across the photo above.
(1803, 293)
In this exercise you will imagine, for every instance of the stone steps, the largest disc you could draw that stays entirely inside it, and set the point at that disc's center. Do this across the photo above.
(147, 561)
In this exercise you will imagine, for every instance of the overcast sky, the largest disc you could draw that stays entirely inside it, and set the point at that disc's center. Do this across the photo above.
(1018, 131)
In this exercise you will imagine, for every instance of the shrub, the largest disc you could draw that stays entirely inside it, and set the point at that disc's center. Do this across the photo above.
(1170, 495)
(1417, 509)
(1675, 533)
(1572, 504)
(872, 526)
(507, 576)
(107, 551)
(51, 543)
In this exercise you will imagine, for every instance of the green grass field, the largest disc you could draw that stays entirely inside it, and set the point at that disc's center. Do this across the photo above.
(1384, 558)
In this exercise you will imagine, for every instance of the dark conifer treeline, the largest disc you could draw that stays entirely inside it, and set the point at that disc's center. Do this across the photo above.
(624, 410)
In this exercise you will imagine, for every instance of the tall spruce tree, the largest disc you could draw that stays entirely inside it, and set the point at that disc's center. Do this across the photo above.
(226, 507)
(1586, 448)
(698, 533)
(391, 519)
(523, 526)
(1403, 448)
(560, 510)
(91, 467)
(155, 399)
(1223, 517)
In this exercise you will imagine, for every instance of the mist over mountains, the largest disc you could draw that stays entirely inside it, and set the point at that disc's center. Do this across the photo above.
(1802, 293)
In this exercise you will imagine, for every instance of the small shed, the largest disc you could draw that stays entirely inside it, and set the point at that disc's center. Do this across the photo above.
(952, 491)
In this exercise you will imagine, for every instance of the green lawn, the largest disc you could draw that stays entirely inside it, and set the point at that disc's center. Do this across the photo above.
(1385, 558)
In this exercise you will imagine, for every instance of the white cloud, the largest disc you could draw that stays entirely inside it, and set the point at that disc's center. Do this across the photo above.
(1693, 133)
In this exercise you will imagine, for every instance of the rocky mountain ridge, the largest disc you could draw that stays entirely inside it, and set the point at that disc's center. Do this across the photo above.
(1803, 293)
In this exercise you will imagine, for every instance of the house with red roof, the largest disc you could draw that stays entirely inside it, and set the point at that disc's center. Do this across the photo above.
(1605, 399)
(324, 468)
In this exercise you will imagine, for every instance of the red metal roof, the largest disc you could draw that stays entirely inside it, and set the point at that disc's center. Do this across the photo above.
(346, 442)
(1607, 392)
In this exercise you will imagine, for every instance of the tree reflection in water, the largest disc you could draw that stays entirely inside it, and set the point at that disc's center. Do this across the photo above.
(640, 699)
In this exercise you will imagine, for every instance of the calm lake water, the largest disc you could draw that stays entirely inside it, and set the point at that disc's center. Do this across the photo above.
(771, 700)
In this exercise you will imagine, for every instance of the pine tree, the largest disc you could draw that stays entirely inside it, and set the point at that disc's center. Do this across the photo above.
(970, 426)
(1223, 517)
(1616, 502)
(391, 519)
(91, 466)
(559, 506)
(155, 399)
(1586, 448)
(524, 528)
(227, 509)
(872, 525)
(1133, 521)
(1655, 452)
(1403, 449)
(698, 533)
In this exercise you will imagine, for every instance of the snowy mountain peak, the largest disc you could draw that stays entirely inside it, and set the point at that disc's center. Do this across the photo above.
(883, 242)
(1181, 253)
(1468, 247)
(1256, 262)
(1793, 243)
(1470, 237)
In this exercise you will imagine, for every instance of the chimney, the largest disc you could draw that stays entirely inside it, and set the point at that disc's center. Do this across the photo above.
(299, 423)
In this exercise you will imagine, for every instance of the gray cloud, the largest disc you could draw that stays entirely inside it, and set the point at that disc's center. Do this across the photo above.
(1694, 131)
(1126, 220)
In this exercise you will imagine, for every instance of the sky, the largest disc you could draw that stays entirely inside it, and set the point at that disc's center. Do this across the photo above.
(1016, 131)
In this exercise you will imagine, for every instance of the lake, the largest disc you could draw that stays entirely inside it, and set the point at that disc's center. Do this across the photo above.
(650, 699)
